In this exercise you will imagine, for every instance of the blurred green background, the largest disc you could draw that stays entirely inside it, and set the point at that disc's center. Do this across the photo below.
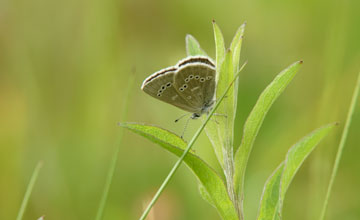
(64, 70)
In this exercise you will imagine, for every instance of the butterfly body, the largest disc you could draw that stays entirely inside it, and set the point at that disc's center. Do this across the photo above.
(189, 85)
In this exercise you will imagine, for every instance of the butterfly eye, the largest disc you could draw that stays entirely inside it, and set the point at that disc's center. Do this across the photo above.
(168, 84)
(187, 80)
(181, 89)
(185, 86)
(163, 87)
(197, 77)
(202, 80)
(191, 76)
(159, 94)
(208, 77)
(160, 91)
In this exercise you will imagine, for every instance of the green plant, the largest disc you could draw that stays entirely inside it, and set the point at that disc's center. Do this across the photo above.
(341, 145)
(227, 195)
(28, 191)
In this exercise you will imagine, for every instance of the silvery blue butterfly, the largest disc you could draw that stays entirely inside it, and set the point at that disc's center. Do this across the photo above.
(189, 85)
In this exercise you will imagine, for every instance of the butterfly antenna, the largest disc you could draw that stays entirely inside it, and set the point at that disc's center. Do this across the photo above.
(186, 124)
(181, 117)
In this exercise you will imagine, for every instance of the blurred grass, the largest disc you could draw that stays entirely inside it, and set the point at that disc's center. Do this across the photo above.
(28, 191)
(63, 73)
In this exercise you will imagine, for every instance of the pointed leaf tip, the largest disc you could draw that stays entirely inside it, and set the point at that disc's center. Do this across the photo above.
(193, 47)
(255, 120)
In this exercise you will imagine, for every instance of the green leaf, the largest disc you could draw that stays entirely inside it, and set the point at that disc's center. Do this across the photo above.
(270, 198)
(297, 154)
(212, 129)
(219, 47)
(225, 119)
(226, 74)
(235, 47)
(278, 183)
(205, 195)
(255, 120)
(219, 130)
(213, 184)
(193, 47)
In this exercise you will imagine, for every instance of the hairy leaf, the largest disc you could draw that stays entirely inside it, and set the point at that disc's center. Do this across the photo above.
(278, 183)
(213, 184)
(255, 120)
(270, 198)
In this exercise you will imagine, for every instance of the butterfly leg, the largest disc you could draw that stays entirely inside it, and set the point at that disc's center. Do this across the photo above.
(186, 124)
(219, 114)
(215, 121)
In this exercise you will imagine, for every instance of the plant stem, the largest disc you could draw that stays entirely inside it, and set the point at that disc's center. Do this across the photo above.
(229, 174)
(29, 190)
(341, 146)
(229, 171)
(110, 175)
(191, 143)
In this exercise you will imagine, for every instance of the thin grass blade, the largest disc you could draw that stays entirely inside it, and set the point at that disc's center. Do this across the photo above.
(341, 146)
(111, 171)
(29, 190)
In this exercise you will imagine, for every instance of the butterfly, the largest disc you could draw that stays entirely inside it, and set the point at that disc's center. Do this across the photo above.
(189, 85)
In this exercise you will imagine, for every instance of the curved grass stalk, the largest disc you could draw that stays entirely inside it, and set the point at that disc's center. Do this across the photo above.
(29, 190)
(110, 175)
(341, 147)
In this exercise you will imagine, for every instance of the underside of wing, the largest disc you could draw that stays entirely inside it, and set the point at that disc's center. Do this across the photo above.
(160, 85)
(195, 82)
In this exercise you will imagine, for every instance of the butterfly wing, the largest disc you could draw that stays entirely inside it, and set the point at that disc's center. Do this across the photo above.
(195, 82)
(160, 85)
